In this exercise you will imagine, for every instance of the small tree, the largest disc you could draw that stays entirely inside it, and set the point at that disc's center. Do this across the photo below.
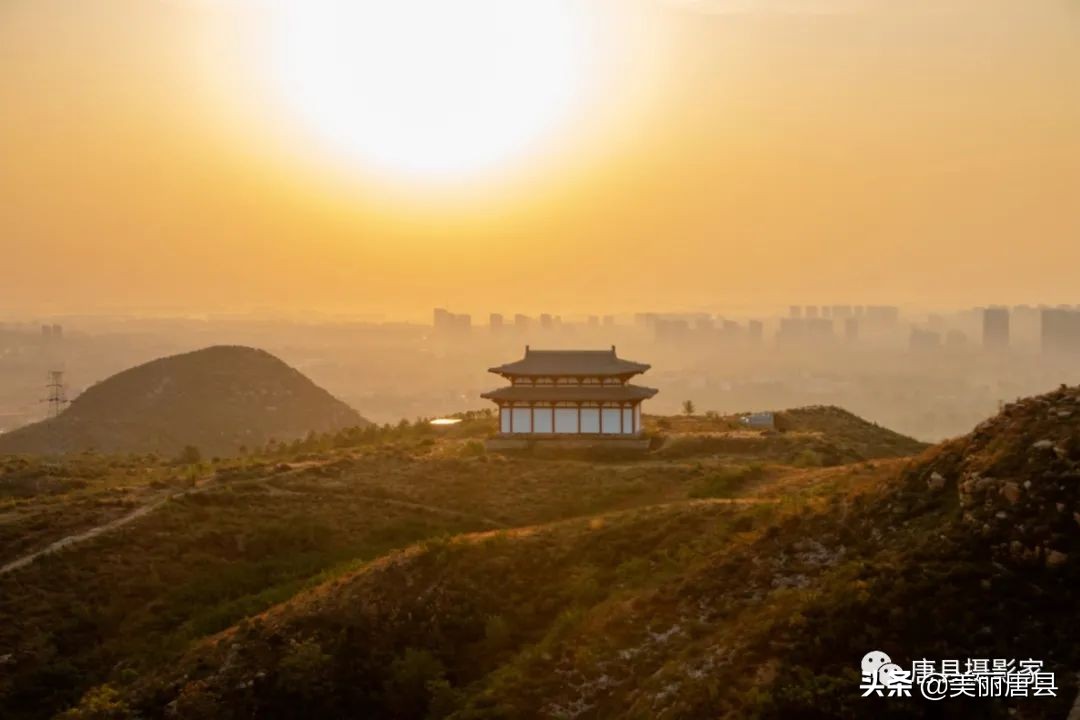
(688, 407)
(190, 455)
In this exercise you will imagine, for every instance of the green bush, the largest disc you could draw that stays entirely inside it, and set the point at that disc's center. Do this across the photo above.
(728, 481)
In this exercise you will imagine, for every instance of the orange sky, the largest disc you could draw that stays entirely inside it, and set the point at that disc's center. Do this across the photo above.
(748, 152)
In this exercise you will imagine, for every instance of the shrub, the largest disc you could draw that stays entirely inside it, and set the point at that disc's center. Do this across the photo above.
(415, 677)
(100, 703)
(727, 482)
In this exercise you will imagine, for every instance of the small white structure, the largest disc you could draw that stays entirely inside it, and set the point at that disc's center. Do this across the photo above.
(560, 393)
(764, 420)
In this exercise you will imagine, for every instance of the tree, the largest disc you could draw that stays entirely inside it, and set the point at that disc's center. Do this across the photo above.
(190, 455)
(688, 407)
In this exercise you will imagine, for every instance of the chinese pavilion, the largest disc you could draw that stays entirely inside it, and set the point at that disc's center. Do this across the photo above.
(576, 393)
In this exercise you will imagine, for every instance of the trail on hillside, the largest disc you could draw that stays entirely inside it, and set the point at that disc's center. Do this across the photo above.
(208, 484)
(95, 531)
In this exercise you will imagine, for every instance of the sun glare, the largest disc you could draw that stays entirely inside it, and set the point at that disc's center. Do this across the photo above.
(431, 88)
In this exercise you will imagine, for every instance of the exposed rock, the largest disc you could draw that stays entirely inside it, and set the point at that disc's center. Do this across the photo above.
(1011, 492)
(936, 482)
(1055, 558)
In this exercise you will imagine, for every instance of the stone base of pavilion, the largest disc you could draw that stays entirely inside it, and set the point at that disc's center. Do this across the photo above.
(576, 441)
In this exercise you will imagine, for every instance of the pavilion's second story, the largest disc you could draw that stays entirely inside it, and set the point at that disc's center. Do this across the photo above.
(569, 368)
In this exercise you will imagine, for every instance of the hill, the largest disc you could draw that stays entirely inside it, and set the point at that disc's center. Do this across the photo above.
(404, 573)
(809, 436)
(217, 399)
(695, 609)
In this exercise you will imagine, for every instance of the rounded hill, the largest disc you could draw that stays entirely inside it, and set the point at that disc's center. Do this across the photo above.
(217, 399)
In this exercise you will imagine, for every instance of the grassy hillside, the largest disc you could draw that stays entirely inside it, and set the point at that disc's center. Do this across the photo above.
(696, 609)
(403, 572)
(217, 400)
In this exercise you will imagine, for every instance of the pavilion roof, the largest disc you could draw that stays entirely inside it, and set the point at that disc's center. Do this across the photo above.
(585, 393)
(570, 362)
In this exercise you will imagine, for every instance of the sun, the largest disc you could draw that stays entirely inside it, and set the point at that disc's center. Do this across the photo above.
(430, 88)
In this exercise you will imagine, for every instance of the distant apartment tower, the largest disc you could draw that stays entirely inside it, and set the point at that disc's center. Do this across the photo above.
(924, 340)
(796, 330)
(795, 311)
(851, 329)
(755, 330)
(522, 322)
(609, 321)
(995, 328)
(594, 321)
(495, 322)
(671, 329)
(882, 316)
(1060, 332)
(446, 322)
(811, 311)
(955, 339)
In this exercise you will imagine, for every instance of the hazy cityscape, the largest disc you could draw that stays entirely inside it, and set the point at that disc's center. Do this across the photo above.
(930, 375)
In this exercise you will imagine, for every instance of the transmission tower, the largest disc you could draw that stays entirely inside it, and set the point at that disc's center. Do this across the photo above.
(57, 398)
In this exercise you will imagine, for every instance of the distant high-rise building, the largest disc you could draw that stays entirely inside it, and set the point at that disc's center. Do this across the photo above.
(703, 323)
(609, 321)
(811, 311)
(1060, 332)
(795, 311)
(808, 329)
(445, 322)
(58, 332)
(819, 328)
(522, 322)
(755, 330)
(995, 328)
(792, 329)
(955, 339)
(924, 340)
(594, 321)
(495, 322)
(851, 329)
(841, 312)
(643, 320)
(668, 330)
(826, 311)
(545, 321)
(882, 316)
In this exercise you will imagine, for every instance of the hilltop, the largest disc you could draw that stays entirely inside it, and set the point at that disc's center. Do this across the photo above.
(218, 400)
(807, 436)
(405, 573)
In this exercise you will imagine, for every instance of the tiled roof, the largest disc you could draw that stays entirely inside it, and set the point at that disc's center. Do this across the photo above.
(587, 393)
(570, 362)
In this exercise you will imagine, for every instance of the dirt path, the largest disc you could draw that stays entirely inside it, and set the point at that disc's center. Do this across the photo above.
(208, 484)
(94, 531)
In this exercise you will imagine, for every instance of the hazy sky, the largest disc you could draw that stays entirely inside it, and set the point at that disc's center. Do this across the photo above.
(711, 153)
